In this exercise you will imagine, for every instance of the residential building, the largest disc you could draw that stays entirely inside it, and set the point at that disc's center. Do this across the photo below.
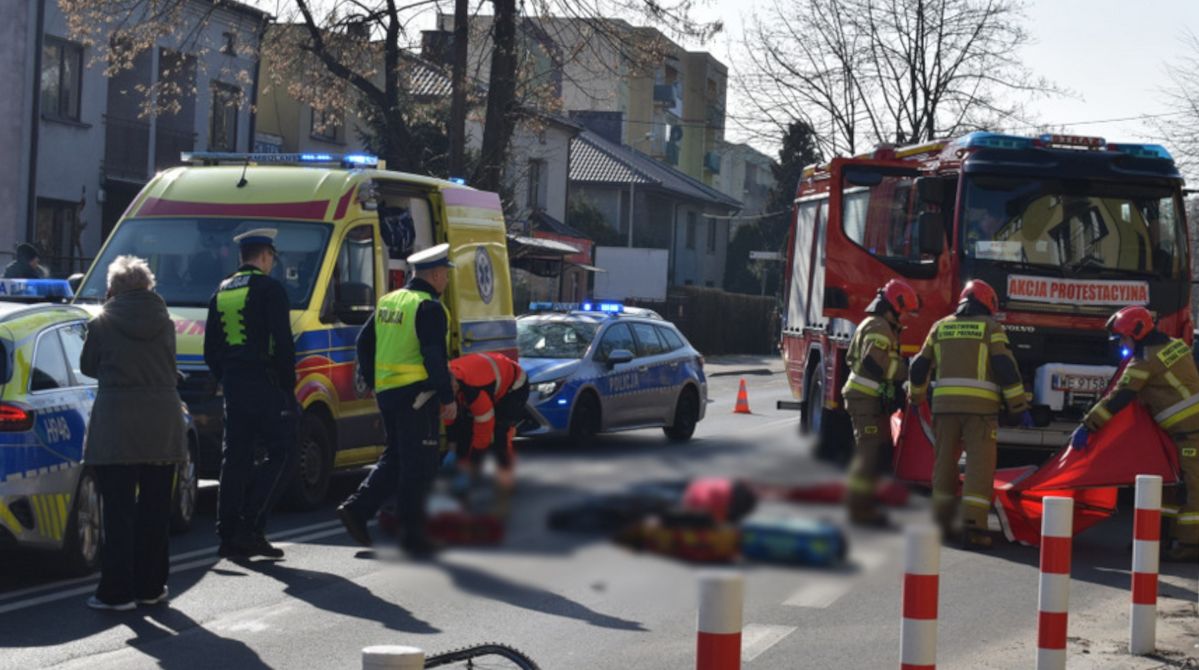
(656, 206)
(664, 101)
(748, 175)
(87, 143)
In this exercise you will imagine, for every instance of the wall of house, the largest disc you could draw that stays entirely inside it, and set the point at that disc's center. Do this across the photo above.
(608, 199)
(16, 78)
(548, 143)
(698, 265)
(753, 191)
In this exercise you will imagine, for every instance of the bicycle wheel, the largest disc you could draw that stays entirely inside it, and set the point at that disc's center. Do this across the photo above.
(483, 657)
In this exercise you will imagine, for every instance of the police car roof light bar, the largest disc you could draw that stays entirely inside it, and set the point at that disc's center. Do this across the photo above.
(266, 158)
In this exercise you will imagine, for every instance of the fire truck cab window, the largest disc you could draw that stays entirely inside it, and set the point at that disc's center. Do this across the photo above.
(883, 219)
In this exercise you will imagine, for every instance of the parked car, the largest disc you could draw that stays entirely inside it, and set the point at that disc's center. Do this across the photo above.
(602, 367)
(48, 499)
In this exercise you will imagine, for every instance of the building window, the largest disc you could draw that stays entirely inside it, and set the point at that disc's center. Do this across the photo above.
(326, 125)
(711, 236)
(536, 197)
(691, 224)
(61, 64)
(222, 128)
(56, 228)
(229, 43)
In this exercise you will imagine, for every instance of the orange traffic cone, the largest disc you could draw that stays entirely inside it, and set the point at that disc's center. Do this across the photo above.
(742, 401)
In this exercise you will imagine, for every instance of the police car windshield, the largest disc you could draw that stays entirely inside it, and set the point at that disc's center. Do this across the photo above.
(554, 338)
(190, 257)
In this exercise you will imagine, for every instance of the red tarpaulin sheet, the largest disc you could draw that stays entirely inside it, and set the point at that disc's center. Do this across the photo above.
(1130, 444)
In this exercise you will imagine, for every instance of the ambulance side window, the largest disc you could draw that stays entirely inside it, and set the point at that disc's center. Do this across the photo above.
(353, 287)
(49, 365)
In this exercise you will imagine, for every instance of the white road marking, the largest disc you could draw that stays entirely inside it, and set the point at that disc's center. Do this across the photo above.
(176, 568)
(827, 590)
(756, 638)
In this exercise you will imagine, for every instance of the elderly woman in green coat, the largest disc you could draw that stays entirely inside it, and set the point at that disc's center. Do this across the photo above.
(136, 435)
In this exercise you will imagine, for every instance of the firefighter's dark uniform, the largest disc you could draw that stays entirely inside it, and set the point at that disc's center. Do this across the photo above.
(402, 355)
(875, 370)
(492, 393)
(975, 375)
(248, 346)
(1163, 376)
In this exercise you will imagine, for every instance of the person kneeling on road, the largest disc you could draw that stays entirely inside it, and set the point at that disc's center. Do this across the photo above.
(492, 392)
(975, 375)
(876, 370)
(1162, 375)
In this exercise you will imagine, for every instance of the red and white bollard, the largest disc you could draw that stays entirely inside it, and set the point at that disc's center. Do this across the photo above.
(392, 657)
(1146, 537)
(721, 595)
(1057, 531)
(922, 567)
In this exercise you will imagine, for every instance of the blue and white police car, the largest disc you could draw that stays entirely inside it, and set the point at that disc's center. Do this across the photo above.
(48, 498)
(598, 367)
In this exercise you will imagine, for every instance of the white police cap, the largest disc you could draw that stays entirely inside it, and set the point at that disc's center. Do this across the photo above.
(432, 257)
(257, 236)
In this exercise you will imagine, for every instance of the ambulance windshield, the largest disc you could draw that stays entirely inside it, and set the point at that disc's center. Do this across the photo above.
(190, 257)
(1075, 227)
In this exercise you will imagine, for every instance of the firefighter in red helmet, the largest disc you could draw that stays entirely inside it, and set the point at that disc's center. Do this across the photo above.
(876, 370)
(967, 355)
(1162, 375)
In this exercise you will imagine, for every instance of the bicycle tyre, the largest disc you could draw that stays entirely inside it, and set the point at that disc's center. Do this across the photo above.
(513, 654)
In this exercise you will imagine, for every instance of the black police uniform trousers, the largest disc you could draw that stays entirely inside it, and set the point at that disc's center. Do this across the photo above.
(258, 415)
(137, 522)
(408, 464)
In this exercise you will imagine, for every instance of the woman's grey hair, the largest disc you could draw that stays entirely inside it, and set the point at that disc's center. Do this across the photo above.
(129, 273)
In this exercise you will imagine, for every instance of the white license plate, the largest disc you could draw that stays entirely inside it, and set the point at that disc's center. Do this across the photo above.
(1080, 383)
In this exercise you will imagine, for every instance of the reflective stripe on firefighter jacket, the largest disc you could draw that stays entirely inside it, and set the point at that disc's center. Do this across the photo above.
(484, 379)
(1163, 376)
(873, 359)
(398, 360)
(963, 352)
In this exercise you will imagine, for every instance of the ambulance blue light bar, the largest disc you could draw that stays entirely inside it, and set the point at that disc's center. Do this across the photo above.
(27, 289)
(267, 158)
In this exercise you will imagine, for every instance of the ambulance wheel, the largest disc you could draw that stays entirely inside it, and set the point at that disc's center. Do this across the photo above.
(585, 420)
(686, 416)
(310, 484)
(81, 542)
(186, 491)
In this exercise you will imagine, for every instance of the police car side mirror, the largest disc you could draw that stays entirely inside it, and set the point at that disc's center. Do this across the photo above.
(619, 356)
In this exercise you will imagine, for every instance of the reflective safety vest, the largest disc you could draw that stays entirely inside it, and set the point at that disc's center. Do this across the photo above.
(398, 360)
(483, 380)
(960, 349)
(1165, 378)
(231, 303)
(875, 340)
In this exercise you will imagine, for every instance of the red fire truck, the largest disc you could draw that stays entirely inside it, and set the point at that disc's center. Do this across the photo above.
(1067, 229)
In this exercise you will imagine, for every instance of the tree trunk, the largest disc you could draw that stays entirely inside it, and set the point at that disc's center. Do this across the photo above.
(501, 98)
(458, 96)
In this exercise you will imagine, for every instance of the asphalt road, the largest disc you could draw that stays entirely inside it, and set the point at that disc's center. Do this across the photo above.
(578, 601)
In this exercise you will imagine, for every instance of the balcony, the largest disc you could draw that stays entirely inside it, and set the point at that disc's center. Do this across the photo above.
(169, 143)
(714, 115)
(126, 148)
(672, 153)
(667, 94)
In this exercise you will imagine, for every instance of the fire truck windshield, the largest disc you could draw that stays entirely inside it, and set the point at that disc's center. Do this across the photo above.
(1075, 227)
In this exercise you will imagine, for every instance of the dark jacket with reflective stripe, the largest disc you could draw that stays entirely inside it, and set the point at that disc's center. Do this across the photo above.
(967, 354)
(483, 380)
(1162, 375)
(257, 337)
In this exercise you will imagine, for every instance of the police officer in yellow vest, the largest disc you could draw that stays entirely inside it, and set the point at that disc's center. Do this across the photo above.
(1162, 375)
(248, 346)
(975, 376)
(403, 355)
(876, 368)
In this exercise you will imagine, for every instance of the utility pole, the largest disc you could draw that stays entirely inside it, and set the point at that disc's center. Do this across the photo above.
(458, 92)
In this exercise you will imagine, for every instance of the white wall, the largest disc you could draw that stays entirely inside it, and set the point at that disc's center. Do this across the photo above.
(631, 273)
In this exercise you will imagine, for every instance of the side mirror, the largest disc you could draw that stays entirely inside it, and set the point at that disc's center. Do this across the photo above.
(931, 190)
(932, 233)
(619, 356)
(354, 303)
(75, 281)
